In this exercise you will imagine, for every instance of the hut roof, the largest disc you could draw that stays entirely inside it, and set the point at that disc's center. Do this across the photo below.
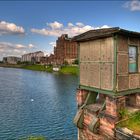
(106, 32)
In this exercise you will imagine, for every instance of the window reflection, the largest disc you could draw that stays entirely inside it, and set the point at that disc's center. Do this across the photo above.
(132, 59)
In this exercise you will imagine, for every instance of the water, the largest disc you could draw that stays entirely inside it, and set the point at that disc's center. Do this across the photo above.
(37, 103)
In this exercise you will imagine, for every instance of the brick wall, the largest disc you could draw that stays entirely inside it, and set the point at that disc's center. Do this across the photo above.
(87, 117)
(65, 50)
(108, 117)
(107, 125)
(111, 115)
(85, 134)
(114, 105)
(81, 97)
(138, 99)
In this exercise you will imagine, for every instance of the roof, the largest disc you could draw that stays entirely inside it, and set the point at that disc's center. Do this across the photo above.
(33, 53)
(106, 32)
(65, 37)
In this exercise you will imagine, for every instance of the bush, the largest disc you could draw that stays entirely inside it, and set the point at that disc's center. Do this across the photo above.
(76, 62)
(66, 63)
(124, 113)
(132, 123)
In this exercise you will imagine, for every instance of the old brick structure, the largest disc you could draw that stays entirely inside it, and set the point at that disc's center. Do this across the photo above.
(50, 59)
(109, 80)
(65, 50)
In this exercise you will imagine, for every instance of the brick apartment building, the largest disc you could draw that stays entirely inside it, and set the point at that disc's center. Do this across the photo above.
(65, 50)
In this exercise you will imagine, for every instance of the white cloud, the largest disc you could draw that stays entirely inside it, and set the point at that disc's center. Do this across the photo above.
(19, 46)
(31, 46)
(104, 26)
(79, 24)
(47, 32)
(10, 49)
(55, 25)
(70, 29)
(52, 44)
(70, 24)
(10, 28)
(133, 5)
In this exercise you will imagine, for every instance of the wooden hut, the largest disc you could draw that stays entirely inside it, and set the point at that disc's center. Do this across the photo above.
(109, 62)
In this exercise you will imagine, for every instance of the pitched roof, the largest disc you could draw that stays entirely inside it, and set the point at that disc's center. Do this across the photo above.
(100, 33)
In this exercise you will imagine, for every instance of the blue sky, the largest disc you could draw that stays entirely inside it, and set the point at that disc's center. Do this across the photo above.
(27, 26)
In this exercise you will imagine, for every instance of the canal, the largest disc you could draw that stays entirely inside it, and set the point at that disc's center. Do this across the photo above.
(37, 103)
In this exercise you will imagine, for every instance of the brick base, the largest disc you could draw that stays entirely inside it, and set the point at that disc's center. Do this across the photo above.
(87, 117)
(111, 115)
(85, 134)
(107, 119)
(81, 96)
(114, 105)
(138, 99)
(107, 125)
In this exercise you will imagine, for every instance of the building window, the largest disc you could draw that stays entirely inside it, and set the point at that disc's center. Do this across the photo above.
(133, 64)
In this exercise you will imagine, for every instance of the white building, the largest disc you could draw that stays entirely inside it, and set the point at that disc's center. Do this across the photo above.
(11, 59)
(32, 57)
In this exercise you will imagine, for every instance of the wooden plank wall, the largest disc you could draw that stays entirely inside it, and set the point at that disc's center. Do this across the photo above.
(126, 80)
(97, 63)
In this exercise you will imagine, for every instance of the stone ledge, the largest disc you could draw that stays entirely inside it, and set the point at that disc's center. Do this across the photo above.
(125, 134)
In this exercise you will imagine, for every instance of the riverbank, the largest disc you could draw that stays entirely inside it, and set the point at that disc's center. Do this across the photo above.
(64, 69)
(10, 65)
(69, 70)
(33, 138)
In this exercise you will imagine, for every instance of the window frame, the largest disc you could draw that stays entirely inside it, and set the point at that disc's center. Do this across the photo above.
(136, 59)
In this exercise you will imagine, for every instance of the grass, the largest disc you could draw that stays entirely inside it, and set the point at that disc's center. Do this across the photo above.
(64, 69)
(38, 68)
(69, 70)
(49, 68)
(33, 138)
(133, 123)
(124, 113)
(34, 67)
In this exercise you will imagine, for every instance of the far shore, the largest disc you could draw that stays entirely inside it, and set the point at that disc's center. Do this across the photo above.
(11, 65)
(64, 69)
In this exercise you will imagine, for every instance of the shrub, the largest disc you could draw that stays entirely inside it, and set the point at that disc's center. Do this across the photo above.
(124, 113)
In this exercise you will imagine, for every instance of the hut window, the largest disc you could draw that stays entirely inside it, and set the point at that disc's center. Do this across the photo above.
(133, 65)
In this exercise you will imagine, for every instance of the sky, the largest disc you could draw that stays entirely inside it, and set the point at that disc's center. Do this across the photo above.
(29, 26)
